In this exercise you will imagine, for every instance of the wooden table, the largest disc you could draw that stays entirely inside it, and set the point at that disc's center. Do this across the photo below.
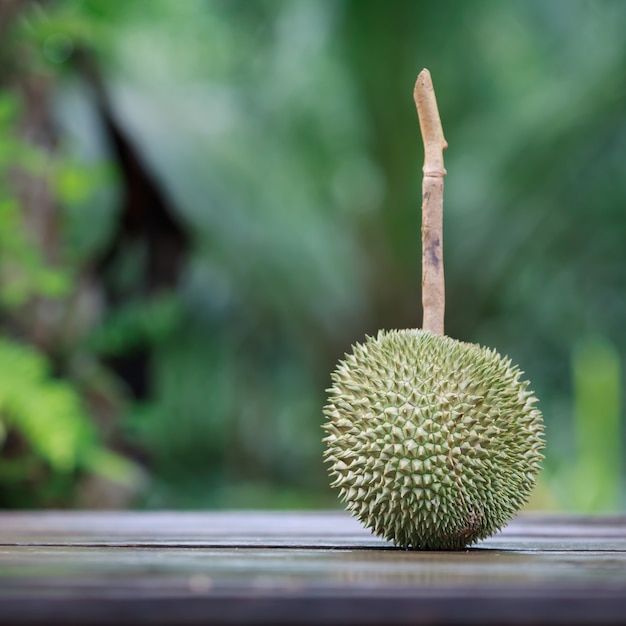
(301, 568)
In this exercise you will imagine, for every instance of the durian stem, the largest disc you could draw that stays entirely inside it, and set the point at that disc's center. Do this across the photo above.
(433, 287)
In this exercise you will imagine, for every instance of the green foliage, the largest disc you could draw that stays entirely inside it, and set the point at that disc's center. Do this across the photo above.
(47, 439)
(23, 270)
(46, 412)
(138, 324)
(285, 137)
(597, 374)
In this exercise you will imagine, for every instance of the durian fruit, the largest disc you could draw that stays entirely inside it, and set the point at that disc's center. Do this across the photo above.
(433, 443)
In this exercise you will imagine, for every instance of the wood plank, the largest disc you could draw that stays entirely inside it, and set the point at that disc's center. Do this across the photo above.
(325, 529)
(87, 567)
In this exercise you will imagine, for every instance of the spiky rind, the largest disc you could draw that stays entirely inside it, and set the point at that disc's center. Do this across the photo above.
(432, 443)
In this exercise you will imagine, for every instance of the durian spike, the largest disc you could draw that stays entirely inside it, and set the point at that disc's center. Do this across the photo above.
(433, 287)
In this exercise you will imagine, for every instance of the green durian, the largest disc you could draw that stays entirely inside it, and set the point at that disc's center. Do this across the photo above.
(433, 443)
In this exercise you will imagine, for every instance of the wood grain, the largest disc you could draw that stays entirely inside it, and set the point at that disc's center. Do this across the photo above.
(300, 568)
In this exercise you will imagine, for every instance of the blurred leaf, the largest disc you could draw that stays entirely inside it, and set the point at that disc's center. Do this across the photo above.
(111, 466)
(597, 377)
(47, 412)
(140, 323)
(285, 136)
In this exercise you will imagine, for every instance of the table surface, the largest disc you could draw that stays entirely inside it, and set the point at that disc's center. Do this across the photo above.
(301, 568)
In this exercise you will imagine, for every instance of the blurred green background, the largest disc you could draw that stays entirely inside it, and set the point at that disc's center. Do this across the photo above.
(204, 203)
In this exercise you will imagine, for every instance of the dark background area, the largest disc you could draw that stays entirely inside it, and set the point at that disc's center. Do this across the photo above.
(203, 204)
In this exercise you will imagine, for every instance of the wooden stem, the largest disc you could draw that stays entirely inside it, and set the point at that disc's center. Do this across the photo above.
(433, 287)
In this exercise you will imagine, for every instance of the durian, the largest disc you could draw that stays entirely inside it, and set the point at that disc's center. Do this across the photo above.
(433, 443)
